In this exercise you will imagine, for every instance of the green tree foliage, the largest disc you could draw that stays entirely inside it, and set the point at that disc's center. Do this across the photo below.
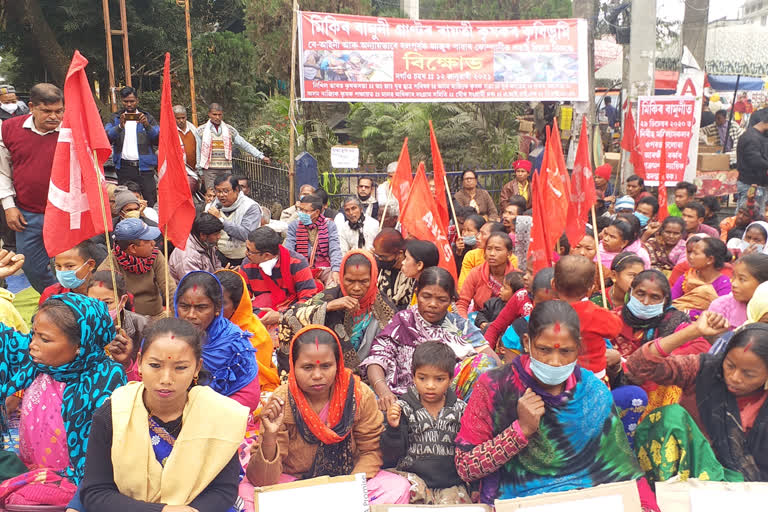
(269, 25)
(495, 9)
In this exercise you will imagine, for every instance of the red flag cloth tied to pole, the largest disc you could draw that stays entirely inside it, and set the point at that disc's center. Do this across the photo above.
(631, 142)
(583, 193)
(73, 212)
(176, 211)
(403, 178)
(439, 175)
(419, 219)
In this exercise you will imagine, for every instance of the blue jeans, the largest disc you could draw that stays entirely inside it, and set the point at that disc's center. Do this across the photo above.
(37, 264)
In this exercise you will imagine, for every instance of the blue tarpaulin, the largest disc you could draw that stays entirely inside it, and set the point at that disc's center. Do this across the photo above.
(727, 83)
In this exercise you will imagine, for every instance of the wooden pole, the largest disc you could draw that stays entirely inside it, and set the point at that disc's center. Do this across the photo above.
(292, 113)
(110, 56)
(191, 65)
(599, 260)
(384, 212)
(99, 180)
(126, 53)
(450, 201)
(167, 273)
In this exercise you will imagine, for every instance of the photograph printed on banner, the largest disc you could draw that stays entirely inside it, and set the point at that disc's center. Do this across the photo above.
(535, 67)
(348, 66)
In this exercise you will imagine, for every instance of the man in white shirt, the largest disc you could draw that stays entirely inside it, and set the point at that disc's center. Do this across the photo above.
(356, 229)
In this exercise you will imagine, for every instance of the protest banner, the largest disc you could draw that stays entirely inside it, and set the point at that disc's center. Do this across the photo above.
(360, 58)
(672, 117)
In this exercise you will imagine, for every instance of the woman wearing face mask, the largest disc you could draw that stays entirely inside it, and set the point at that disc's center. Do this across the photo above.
(468, 239)
(720, 427)
(124, 348)
(647, 315)
(543, 401)
(667, 248)
(356, 311)
(753, 240)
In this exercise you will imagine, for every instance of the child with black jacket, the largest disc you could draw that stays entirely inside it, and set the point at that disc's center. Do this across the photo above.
(421, 429)
(513, 282)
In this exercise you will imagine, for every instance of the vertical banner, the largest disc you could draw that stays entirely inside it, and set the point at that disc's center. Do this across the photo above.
(359, 58)
(671, 117)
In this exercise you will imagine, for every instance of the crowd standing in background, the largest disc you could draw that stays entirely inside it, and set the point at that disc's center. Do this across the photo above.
(334, 342)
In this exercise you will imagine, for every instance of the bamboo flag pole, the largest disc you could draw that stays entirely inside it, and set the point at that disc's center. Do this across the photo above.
(167, 274)
(110, 257)
(453, 210)
(292, 110)
(384, 212)
(599, 260)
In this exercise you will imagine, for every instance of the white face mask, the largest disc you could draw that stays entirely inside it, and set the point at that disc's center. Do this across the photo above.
(10, 107)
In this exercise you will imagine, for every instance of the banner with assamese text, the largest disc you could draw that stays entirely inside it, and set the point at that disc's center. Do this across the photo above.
(670, 116)
(361, 58)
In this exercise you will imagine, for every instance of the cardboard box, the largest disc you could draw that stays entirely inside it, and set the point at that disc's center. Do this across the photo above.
(321, 494)
(616, 497)
(713, 162)
(434, 508)
(613, 159)
(525, 126)
(695, 495)
(704, 148)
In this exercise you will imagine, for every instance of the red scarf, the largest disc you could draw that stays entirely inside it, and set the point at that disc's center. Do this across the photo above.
(370, 295)
(135, 264)
(321, 256)
(339, 395)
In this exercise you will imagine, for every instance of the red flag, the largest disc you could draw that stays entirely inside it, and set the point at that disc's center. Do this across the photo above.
(583, 194)
(73, 212)
(555, 191)
(663, 206)
(538, 253)
(401, 181)
(631, 142)
(176, 211)
(439, 172)
(418, 217)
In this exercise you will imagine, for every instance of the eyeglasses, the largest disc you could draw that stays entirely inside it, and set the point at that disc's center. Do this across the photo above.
(249, 252)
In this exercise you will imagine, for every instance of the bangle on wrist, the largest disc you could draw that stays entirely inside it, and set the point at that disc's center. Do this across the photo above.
(382, 379)
(659, 349)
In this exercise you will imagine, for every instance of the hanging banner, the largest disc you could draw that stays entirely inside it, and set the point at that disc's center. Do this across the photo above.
(360, 58)
(674, 117)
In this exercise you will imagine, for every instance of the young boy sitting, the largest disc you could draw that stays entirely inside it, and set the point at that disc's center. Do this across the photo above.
(142, 266)
(513, 282)
(511, 344)
(421, 429)
(74, 269)
(573, 283)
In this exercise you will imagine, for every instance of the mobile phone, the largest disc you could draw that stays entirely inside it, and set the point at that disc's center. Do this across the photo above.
(132, 116)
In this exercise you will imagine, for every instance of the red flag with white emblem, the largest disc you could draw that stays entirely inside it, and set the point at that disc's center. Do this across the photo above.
(583, 194)
(175, 209)
(73, 212)
(419, 217)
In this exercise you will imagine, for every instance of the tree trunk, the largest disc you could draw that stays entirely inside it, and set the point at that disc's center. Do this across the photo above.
(695, 29)
(39, 32)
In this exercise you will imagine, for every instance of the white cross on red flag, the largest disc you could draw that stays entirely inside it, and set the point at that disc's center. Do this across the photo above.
(73, 212)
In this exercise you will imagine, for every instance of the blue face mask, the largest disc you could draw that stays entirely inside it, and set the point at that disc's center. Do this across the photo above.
(470, 240)
(551, 375)
(642, 218)
(642, 311)
(305, 218)
(69, 279)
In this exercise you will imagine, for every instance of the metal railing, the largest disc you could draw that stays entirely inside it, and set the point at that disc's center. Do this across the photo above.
(269, 182)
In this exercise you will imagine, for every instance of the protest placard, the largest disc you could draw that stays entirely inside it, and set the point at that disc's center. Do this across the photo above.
(670, 117)
(321, 494)
(616, 497)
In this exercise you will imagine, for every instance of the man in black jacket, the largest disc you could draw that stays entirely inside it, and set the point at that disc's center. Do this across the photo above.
(752, 163)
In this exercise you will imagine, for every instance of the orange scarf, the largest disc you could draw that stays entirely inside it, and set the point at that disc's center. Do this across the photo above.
(370, 296)
(339, 395)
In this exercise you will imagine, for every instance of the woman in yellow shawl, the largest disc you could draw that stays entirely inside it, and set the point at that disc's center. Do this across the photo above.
(165, 443)
(238, 309)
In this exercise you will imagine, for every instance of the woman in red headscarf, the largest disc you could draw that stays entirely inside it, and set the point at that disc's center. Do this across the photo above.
(324, 422)
(354, 310)
(603, 183)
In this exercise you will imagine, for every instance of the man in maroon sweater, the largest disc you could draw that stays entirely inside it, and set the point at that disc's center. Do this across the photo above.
(27, 146)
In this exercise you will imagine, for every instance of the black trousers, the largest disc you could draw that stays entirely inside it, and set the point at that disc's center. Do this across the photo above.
(145, 179)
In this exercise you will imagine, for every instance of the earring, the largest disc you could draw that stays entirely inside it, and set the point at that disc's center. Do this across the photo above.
(194, 380)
